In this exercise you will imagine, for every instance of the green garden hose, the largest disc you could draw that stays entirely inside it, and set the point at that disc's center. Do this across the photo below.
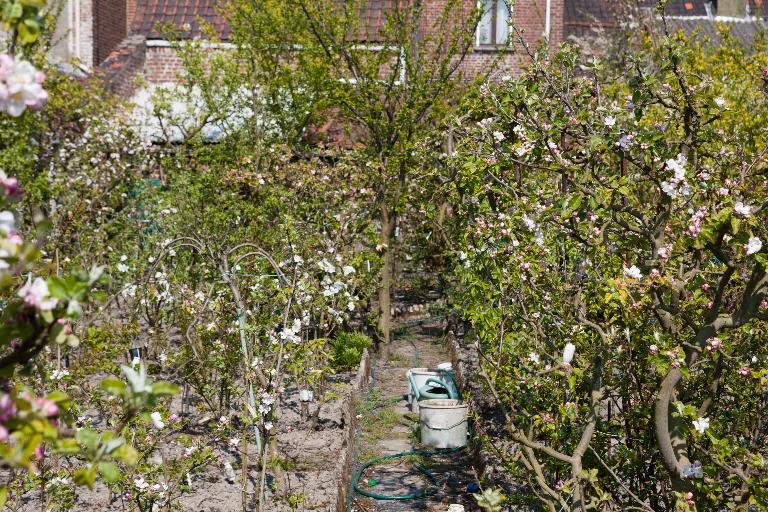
(421, 469)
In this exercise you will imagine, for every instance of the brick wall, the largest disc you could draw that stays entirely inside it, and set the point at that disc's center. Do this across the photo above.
(110, 27)
(529, 17)
(162, 65)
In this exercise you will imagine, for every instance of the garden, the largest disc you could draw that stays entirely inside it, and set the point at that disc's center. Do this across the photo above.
(226, 323)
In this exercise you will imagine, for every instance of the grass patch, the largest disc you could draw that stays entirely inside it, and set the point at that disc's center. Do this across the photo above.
(399, 360)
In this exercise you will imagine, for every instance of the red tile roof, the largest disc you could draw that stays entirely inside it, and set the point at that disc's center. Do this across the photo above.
(151, 14)
(606, 13)
(582, 16)
(183, 15)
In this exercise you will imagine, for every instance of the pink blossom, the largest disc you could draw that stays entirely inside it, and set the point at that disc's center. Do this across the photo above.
(697, 221)
(664, 252)
(753, 245)
(6, 65)
(744, 371)
(705, 287)
(7, 408)
(714, 343)
(11, 185)
(653, 349)
(47, 407)
(4, 435)
(36, 295)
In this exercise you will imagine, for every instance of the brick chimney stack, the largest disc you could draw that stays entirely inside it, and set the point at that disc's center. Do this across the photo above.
(130, 13)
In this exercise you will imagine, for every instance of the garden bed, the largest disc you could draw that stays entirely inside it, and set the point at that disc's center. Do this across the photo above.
(308, 468)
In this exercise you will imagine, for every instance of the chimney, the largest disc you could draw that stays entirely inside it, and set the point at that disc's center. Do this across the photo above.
(130, 13)
(732, 8)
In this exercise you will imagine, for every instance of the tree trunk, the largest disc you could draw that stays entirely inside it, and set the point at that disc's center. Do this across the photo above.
(385, 278)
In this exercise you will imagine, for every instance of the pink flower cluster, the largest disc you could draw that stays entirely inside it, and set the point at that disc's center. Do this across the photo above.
(20, 86)
(714, 344)
(697, 221)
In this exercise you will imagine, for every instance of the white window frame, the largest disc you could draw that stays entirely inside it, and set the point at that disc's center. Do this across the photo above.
(510, 10)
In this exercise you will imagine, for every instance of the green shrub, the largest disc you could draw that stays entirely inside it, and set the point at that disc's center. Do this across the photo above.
(347, 349)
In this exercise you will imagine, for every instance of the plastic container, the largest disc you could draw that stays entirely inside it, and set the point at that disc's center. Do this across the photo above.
(417, 378)
(136, 355)
(443, 423)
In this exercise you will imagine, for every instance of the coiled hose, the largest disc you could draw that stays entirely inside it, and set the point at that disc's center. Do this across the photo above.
(421, 469)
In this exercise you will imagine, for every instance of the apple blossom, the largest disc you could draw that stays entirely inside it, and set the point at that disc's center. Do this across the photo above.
(633, 272)
(157, 420)
(753, 245)
(22, 89)
(742, 210)
(7, 222)
(568, 353)
(36, 295)
(701, 424)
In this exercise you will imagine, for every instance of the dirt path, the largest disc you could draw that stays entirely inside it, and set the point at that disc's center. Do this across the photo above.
(388, 427)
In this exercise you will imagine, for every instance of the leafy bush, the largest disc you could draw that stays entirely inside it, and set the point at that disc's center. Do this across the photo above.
(347, 349)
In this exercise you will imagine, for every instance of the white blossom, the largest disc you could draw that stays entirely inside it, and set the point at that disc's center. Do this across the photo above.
(633, 272)
(742, 210)
(568, 353)
(701, 424)
(754, 245)
(157, 420)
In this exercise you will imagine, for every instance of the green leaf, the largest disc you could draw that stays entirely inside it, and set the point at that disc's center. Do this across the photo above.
(88, 439)
(14, 10)
(113, 385)
(68, 447)
(28, 31)
(164, 388)
(85, 476)
(57, 287)
(109, 471)
(95, 274)
(113, 444)
(127, 454)
(3, 496)
(74, 309)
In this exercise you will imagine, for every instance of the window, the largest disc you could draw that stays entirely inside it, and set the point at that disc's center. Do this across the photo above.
(493, 28)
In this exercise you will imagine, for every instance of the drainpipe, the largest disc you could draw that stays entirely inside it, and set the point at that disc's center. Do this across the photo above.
(70, 31)
(547, 18)
(76, 28)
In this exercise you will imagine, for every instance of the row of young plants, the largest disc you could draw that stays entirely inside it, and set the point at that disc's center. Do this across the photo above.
(235, 271)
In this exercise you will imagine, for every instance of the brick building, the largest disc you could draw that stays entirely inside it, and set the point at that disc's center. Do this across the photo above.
(121, 37)
(145, 50)
(88, 30)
